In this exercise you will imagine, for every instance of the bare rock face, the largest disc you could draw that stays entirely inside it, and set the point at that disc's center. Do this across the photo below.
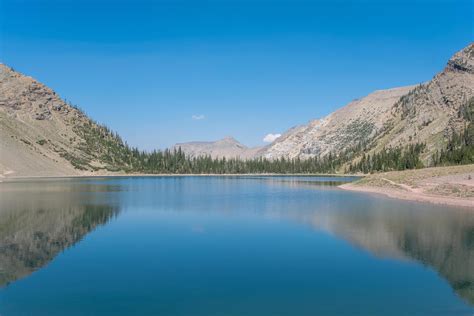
(357, 122)
(26, 118)
(227, 147)
(427, 113)
(41, 135)
(24, 93)
(430, 113)
(462, 61)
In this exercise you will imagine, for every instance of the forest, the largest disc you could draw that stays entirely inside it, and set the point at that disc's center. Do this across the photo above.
(108, 148)
(460, 148)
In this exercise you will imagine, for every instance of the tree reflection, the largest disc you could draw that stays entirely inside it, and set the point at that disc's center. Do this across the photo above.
(36, 227)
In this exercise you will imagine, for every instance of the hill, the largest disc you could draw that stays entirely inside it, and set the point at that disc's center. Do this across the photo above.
(395, 129)
(429, 113)
(42, 135)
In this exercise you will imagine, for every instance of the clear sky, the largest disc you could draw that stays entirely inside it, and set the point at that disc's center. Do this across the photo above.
(161, 72)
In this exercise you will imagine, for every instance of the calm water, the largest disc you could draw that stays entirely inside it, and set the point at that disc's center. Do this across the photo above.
(228, 246)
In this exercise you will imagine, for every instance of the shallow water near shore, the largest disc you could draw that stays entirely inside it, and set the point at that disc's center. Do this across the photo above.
(228, 246)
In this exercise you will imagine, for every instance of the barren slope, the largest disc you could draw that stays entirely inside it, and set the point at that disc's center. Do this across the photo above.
(359, 121)
(427, 113)
(41, 135)
(430, 113)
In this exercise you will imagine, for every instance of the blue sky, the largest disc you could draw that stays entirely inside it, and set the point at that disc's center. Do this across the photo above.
(161, 72)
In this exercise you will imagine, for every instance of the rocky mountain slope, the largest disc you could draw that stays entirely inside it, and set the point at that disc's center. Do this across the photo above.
(427, 113)
(356, 122)
(227, 147)
(41, 135)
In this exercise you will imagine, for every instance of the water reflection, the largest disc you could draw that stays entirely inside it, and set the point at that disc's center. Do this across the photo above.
(437, 236)
(306, 181)
(434, 237)
(38, 220)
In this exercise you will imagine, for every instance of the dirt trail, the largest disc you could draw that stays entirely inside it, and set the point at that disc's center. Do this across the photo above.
(443, 185)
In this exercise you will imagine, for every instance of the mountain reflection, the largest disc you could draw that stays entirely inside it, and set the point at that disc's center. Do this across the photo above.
(440, 238)
(38, 222)
(37, 227)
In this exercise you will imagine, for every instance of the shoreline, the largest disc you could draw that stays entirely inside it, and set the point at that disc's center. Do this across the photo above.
(133, 175)
(410, 196)
(421, 185)
(453, 185)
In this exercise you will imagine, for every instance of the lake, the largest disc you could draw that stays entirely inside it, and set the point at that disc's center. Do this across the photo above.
(228, 246)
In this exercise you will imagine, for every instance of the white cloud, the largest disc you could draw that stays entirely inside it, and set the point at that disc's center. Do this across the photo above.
(270, 138)
(198, 117)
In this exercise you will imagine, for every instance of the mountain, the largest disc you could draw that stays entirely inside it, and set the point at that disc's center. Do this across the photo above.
(428, 113)
(42, 135)
(356, 122)
(227, 147)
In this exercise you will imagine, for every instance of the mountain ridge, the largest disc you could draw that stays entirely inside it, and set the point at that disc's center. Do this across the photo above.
(42, 135)
(425, 113)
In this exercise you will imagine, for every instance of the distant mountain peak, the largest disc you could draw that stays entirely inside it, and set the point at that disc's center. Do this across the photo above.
(229, 138)
(462, 61)
(227, 147)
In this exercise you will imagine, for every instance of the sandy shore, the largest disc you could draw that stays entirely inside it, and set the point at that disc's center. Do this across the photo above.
(443, 185)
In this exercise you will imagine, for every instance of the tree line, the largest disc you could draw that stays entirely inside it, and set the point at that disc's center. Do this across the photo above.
(390, 159)
(106, 146)
(460, 148)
